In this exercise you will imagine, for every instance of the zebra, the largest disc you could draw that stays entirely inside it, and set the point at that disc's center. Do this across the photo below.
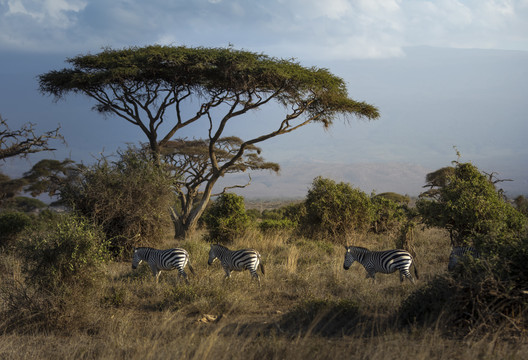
(460, 252)
(158, 260)
(385, 262)
(237, 260)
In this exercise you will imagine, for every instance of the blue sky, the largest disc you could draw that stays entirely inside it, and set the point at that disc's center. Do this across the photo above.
(442, 73)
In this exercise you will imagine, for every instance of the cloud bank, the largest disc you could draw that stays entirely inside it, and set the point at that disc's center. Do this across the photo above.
(332, 29)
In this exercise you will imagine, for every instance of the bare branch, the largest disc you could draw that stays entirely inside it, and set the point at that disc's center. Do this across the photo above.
(24, 141)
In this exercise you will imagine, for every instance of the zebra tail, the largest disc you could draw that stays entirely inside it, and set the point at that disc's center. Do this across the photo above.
(415, 271)
(190, 267)
(262, 268)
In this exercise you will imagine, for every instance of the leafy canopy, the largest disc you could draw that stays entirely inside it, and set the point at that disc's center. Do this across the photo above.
(181, 71)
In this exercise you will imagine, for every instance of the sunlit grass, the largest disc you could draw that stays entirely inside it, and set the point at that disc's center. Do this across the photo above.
(307, 307)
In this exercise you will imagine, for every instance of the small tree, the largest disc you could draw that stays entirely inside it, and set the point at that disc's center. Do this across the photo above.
(226, 218)
(335, 209)
(469, 206)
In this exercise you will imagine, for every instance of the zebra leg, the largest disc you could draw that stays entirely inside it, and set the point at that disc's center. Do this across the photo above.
(227, 273)
(254, 275)
(371, 273)
(155, 271)
(407, 274)
(183, 274)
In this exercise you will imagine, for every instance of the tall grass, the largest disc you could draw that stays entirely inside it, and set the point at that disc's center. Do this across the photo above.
(307, 307)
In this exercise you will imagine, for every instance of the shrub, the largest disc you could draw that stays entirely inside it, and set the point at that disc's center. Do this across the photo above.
(128, 198)
(226, 218)
(70, 253)
(477, 296)
(63, 272)
(469, 206)
(388, 215)
(276, 225)
(335, 209)
(486, 292)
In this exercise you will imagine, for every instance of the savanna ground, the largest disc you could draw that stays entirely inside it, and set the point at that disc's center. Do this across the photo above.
(307, 307)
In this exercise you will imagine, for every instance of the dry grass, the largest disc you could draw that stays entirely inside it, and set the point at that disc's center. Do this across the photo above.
(133, 318)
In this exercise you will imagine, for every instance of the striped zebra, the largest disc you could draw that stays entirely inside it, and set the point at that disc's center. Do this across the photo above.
(237, 260)
(385, 262)
(158, 260)
(460, 252)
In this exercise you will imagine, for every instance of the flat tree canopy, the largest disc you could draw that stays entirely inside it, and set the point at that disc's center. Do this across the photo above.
(178, 86)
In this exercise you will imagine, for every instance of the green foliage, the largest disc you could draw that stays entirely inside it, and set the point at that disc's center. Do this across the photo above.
(394, 197)
(12, 223)
(483, 292)
(226, 218)
(205, 70)
(270, 225)
(69, 254)
(294, 212)
(469, 206)
(335, 209)
(128, 198)
(388, 214)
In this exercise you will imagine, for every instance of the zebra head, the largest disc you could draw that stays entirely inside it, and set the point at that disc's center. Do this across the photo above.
(136, 260)
(349, 258)
(212, 254)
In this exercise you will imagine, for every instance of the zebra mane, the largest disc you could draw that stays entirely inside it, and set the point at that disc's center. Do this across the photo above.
(221, 246)
(360, 248)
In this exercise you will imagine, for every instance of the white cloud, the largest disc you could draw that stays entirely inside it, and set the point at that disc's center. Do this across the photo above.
(50, 13)
(300, 28)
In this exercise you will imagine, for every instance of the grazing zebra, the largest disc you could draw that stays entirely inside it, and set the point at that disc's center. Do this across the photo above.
(237, 260)
(158, 260)
(385, 262)
(460, 252)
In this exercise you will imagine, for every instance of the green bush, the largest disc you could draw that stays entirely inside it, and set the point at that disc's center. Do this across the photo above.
(485, 293)
(271, 225)
(335, 210)
(226, 218)
(128, 198)
(70, 253)
(470, 207)
(61, 279)
(388, 215)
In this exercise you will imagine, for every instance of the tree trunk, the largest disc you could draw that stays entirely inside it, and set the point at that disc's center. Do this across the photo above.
(185, 224)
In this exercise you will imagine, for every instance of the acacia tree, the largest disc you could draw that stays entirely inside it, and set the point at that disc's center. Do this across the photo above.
(162, 89)
(189, 161)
